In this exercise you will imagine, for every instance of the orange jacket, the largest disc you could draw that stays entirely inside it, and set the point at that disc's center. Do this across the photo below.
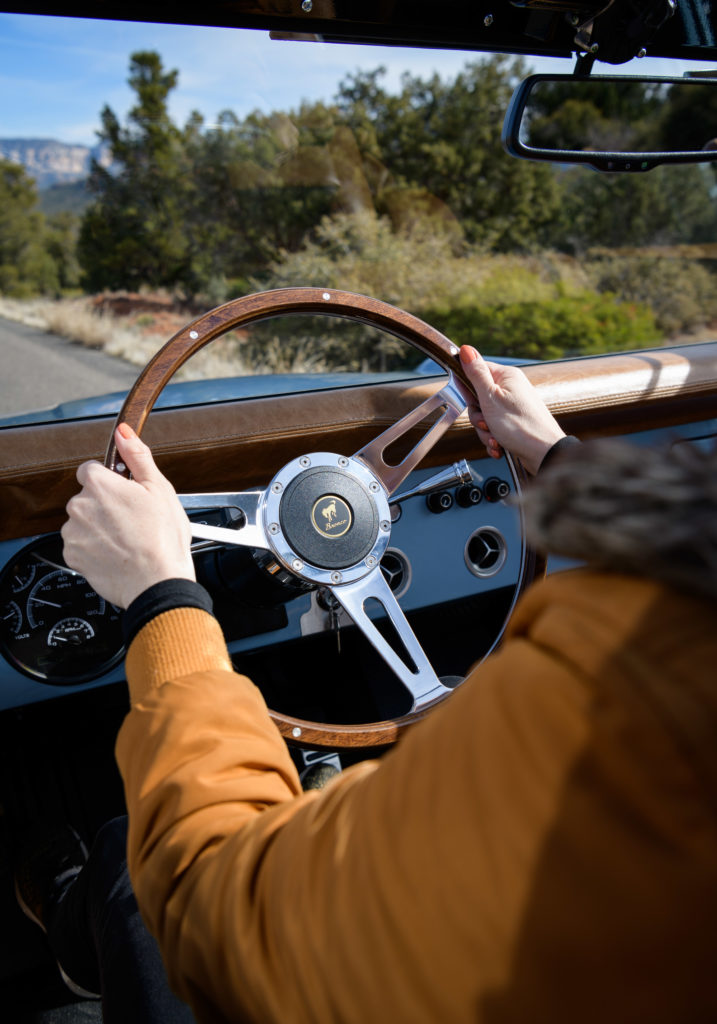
(543, 848)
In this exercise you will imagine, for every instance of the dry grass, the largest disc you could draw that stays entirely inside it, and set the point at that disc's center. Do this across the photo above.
(134, 340)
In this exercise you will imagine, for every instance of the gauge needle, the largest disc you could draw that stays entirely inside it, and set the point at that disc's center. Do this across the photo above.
(39, 600)
(55, 565)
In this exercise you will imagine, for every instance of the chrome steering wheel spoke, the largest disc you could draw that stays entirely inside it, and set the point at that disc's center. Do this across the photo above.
(360, 583)
(450, 400)
(249, 534)
(419, 678)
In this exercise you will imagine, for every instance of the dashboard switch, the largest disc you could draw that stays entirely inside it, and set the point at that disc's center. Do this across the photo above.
(468, 495)
(440, 501)
(495, 489)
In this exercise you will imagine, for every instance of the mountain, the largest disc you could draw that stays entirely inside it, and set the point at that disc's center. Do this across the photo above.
(50, 162)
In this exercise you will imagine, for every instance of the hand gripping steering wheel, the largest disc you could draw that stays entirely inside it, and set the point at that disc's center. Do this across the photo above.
(325, 517)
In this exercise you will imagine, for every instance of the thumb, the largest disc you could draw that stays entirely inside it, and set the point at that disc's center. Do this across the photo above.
(136, 455)
(477, 370)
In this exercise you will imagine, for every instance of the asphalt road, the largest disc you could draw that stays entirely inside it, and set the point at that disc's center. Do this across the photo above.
(40, 370)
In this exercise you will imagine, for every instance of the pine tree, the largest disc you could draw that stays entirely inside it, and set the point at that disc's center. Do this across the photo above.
(133, 234)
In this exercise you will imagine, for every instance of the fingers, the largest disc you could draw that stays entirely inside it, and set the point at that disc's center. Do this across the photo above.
(89, 471)
(477, 420)
(491, 445)
(484, 434)
(136, 455)
(477, 370)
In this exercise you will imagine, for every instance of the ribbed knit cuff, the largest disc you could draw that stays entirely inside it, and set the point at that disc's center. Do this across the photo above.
(162, 597)
(559, 448)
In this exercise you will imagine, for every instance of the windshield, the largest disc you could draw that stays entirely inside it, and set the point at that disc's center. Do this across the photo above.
(152, 172)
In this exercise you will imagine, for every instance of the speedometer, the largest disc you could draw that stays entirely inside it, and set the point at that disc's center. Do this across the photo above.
(55, 627)
(60, 590)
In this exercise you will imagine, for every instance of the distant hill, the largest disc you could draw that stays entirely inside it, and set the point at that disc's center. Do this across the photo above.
(50, 162)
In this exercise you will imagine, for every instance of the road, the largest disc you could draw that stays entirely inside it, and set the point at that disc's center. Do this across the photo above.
(40, 370)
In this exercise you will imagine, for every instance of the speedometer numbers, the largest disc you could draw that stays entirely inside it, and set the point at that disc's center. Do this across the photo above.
(53, 626)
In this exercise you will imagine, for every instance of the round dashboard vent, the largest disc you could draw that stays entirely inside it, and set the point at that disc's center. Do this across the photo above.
(485, 552)
(397, 571)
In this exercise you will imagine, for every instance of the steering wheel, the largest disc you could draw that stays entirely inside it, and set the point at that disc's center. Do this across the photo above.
(324, 517)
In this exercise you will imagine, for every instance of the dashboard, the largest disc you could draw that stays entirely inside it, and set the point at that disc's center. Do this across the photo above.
(454, 560)
(455, 566)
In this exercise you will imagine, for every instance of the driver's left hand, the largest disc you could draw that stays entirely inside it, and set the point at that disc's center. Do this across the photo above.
(124, 535)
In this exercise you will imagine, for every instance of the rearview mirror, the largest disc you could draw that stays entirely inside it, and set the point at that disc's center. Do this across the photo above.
(613, 122)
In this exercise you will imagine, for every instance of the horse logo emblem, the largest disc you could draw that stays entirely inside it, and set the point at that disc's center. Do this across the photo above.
(331, 516)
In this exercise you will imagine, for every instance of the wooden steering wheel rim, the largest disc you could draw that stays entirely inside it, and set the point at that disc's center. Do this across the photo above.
(284, 302)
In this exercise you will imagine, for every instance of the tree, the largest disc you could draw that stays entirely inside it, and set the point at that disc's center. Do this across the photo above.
(255, 192)
(690, 116)
(25, 266)
(588, 113)
(61, 244)
(666, 206)
(133, 233)
(442, 140)
(193, 208)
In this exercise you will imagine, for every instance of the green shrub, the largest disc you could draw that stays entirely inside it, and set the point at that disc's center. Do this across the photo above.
(584, 323)
(532, 307)
(680, 292)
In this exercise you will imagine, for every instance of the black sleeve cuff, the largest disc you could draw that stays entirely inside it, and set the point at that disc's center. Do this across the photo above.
(162, 597)
(558, 448)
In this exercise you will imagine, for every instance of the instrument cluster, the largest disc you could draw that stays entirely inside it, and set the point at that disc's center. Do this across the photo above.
(53, 626)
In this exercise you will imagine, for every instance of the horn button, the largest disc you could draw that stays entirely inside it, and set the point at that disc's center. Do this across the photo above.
(329, 518)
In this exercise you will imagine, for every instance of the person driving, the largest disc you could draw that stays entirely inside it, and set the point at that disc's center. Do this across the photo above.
(542, 847)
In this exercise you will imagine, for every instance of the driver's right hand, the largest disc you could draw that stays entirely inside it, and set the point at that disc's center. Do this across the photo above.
(508, 412)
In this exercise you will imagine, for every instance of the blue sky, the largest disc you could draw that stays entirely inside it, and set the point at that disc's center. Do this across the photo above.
(57, 73)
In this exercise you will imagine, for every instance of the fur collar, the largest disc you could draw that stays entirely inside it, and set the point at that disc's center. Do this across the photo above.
(643, 511)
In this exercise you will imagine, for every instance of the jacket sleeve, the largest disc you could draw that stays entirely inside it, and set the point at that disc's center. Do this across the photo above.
(554, 453)
(273, 905)
(405, 890)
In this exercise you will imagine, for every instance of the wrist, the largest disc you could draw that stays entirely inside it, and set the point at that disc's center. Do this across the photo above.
(540, 447)
(139, 583)
(161, 597)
